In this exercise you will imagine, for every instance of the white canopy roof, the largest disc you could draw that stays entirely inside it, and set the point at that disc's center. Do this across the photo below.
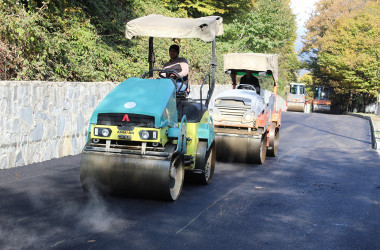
(252, 61)
(204, 28)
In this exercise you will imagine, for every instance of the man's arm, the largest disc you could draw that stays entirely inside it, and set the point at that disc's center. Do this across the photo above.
(233, 78)
(184, 66)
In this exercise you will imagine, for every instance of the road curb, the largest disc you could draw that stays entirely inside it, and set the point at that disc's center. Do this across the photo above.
(375, 140)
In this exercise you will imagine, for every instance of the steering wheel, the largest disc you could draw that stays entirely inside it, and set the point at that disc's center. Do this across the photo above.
(166, 73)
(246, 86)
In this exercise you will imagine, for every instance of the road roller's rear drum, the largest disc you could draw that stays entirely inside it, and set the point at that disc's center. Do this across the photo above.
(132, 175)
(246, 149)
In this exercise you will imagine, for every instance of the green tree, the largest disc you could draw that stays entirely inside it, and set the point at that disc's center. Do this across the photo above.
(72, 40)
(269, 27)
(307, 78)
(68, 40)
(344, 48)
(198, 8)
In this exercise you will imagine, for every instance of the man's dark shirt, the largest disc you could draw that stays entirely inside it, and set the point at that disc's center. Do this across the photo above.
(251, 81)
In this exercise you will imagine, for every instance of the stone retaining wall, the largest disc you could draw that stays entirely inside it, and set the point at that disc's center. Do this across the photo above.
(40, 121)
(44, 120)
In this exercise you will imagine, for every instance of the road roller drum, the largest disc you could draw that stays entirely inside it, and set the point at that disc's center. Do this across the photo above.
(299, 107)
(133, 175)
(243, 149)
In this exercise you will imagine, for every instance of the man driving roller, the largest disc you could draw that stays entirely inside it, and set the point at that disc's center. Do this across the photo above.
(179, 65)
(250, 79)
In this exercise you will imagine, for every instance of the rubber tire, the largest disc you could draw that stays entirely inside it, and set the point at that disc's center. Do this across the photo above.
(176, 184)
(205, 161)
(260, 152)
(274, 140)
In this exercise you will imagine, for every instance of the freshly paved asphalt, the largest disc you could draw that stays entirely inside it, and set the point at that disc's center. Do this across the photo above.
(321, 192)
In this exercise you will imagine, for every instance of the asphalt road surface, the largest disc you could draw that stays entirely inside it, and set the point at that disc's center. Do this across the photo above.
(322, 191)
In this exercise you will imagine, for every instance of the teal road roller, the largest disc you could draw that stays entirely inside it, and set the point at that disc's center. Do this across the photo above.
(146, 133)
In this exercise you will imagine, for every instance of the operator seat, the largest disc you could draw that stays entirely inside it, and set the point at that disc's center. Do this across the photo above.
(192, 109)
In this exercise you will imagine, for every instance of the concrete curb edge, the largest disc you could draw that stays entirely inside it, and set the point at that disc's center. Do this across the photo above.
(375, 142)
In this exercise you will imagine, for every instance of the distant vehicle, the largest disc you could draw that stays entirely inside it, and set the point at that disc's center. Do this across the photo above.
(296, 99)
(322, 99)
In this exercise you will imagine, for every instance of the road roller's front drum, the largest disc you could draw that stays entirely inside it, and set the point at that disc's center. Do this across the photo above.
(132, 175)
(300, 107)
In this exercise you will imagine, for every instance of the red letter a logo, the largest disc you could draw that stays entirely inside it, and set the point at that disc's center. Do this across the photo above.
(125, 118)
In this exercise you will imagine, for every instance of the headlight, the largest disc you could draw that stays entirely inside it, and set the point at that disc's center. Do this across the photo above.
(148, 135)
(249, 116)
(103, 132)
(144, 135)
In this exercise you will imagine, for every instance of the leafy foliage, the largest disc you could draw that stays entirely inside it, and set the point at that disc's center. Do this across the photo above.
(344, 48)
(72, 41)
(197, 8)
(84, 40)
(269, 27)
(307, 78)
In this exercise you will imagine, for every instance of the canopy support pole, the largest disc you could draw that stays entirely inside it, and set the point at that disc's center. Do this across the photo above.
(213, 64)
(151, 57)
(275, 95)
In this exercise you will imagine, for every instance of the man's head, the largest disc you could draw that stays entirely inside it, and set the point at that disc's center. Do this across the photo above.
(248, 73)
(174, 51)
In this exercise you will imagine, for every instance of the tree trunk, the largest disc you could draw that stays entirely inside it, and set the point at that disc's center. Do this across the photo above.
(378, 103)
